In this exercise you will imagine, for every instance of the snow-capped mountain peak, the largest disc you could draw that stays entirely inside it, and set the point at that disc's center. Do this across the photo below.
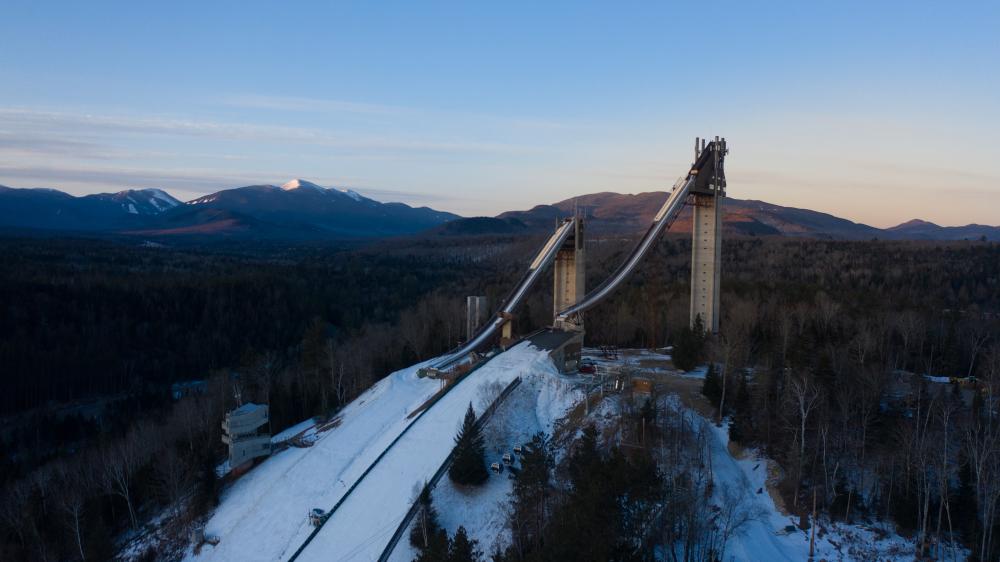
(301, 184)
(141, 201)
(353, 194)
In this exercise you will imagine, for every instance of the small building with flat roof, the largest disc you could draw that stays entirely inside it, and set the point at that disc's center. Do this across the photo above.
(244, 430)
(564, 347)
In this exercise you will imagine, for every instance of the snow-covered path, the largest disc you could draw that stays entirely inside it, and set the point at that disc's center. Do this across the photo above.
(360, 529)
(263, 516)
(759, 539)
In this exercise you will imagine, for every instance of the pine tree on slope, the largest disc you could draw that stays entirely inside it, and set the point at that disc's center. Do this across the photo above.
(469, 464)
(425, 525)
(463, 549)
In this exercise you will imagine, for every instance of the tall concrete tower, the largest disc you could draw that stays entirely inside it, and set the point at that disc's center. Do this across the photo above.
(570, 279)
(708, 193)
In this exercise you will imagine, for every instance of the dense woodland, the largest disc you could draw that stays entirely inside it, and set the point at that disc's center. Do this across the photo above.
(814, 362)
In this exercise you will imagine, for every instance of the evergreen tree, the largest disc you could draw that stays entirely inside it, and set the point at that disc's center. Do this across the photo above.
(584, 458)
(469, 463)
(425, 525)
(532, 487)
(462, 549)
(436, 549)
(711, 388)
(689, 346)
(739, 425)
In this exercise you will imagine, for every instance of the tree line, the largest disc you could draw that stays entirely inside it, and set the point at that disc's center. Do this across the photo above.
(306, 330)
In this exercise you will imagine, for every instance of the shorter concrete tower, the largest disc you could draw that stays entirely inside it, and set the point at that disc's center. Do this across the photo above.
(570, 277)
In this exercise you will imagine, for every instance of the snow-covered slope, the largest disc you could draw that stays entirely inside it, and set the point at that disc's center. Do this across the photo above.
(300, 184)
(310, 186)
(263, 516)
(362, 526)
(762, 539)
(535, 406)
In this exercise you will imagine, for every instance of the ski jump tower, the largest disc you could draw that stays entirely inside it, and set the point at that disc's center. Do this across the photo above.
(707, 194)
(704, 188)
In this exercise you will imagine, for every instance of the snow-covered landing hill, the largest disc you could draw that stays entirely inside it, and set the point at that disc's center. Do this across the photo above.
(263, 516)
(362, 526)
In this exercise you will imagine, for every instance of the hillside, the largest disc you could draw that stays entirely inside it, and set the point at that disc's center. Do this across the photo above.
(623, 212)
(50, 209)
(917, 229)
(617, 212)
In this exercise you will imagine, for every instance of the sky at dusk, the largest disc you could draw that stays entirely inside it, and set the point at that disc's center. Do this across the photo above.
(875, 111)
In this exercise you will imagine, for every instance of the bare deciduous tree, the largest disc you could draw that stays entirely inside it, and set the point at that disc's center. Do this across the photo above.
(119, 462)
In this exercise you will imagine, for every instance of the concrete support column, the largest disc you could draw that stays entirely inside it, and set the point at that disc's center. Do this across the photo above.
(706, 255)
(476, 313)
(507, 332)
(569, 283)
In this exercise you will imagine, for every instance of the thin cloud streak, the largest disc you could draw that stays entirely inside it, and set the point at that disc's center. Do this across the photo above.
(293, 103)
(323, 105)
(60, 123)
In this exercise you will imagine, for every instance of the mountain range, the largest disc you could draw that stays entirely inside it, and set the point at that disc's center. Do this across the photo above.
(298, 209)
(615, 212)
(302, 210)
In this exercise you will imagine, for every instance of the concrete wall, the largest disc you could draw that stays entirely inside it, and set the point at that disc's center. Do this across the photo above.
(249, 448)
(245, 420)
(706, 254)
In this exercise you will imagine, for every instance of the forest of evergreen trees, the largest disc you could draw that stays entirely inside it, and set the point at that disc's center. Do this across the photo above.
(817, 340)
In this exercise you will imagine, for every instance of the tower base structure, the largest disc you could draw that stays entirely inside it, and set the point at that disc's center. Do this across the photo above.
(569, 279)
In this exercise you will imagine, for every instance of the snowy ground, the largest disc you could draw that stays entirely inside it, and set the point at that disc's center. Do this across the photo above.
(263, 516)
(361, 527)
(306, 428)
